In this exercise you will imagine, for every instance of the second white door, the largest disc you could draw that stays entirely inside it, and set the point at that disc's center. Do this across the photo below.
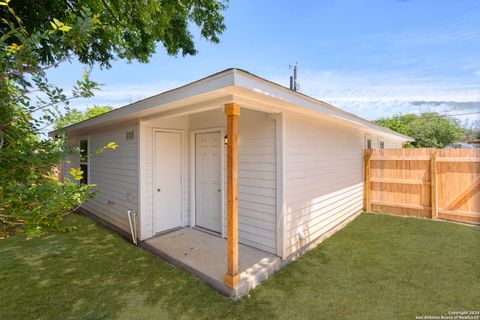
(208, 181)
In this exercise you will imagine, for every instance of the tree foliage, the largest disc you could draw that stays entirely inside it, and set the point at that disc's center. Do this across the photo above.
(127, 29)
(429, 129)
(38, 35)
(472, 129)
(74, 116)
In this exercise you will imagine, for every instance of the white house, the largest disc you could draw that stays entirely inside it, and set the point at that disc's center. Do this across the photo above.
(297, 175)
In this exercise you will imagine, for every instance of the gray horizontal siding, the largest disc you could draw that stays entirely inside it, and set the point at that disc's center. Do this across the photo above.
(115, 174)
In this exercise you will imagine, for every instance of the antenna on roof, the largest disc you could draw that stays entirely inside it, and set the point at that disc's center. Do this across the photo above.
(294, 85)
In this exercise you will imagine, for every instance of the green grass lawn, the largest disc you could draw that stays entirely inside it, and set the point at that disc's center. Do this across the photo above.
(378, 267)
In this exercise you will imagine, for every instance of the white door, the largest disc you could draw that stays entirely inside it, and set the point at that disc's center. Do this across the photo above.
(208, 181)
(167, 181)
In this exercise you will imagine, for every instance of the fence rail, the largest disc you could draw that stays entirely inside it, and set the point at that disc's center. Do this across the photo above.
(430, 183)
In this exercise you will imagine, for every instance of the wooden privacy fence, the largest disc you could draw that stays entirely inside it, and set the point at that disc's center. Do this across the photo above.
(430, 183)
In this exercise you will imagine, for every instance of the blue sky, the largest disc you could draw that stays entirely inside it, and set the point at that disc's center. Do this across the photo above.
(370, 57)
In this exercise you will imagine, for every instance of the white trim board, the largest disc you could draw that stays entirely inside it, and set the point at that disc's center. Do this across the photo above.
(281, 173)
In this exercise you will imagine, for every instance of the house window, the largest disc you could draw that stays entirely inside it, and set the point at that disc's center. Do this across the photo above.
(382, 145)
(84, 160)
(368, 143)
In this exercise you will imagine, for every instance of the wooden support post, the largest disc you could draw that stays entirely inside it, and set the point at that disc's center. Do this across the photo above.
(433, 186)
(232, 277)
(367, 183)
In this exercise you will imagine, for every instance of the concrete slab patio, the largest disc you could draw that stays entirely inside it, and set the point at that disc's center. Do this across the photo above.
(205, 256)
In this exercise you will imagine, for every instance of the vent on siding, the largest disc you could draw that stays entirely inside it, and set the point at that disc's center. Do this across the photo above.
(130, 135)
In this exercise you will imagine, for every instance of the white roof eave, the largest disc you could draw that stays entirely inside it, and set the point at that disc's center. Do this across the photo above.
(274, 90)
(227, 81)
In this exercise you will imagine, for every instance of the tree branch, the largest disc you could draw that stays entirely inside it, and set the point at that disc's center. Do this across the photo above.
(31, 69)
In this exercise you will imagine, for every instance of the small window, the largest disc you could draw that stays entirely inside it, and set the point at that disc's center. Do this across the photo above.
(369, 144)
(83, 150)
(84, 161)
(84, 168)
(382, 145)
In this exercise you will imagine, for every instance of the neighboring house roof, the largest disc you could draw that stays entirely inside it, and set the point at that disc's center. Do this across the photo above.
(465, 145)
(240, 86)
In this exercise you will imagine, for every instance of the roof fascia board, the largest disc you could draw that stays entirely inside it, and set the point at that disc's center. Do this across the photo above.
(203, 86)
(273, 90)
(245, 88)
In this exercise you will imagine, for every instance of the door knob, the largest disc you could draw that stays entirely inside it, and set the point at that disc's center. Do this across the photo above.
(219, 190)
(158, 190)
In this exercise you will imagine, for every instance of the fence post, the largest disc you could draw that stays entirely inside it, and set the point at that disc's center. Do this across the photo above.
(433, 186)
(367, 184)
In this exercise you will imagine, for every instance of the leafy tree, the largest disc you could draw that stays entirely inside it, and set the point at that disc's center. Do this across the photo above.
(472, 129)
(74, 116)
(70, 117)
(96, 111)
(38, 35)
(399, 123)
(429, 129)
(127, 29)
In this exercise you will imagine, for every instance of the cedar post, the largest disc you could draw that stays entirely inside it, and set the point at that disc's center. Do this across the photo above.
(232, 277)
(367, 184)
(433, 186)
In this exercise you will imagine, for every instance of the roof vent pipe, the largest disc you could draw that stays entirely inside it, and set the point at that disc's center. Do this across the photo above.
(293, 79)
